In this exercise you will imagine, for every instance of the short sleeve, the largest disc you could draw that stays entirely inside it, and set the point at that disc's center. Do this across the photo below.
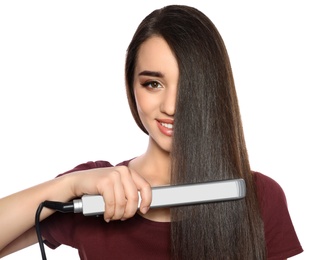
(281, 238)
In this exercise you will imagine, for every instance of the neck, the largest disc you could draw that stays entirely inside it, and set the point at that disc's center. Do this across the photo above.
(153, 165)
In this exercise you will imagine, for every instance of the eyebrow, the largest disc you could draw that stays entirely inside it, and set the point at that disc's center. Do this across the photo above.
(151, 73)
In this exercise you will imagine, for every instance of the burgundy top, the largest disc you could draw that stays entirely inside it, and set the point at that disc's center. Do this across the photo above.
(140, 238)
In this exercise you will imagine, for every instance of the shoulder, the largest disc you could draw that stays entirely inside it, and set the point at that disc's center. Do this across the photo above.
(268, 189)
(280, 235)
(87, 166)
(93, 164)
(271, 197)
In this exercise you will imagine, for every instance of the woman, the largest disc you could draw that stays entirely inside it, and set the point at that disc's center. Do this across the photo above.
(181, 93)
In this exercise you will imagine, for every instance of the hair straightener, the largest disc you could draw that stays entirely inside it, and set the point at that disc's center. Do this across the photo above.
(175, 195)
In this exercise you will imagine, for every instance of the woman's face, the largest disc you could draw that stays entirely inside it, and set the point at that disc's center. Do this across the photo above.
(155, 88)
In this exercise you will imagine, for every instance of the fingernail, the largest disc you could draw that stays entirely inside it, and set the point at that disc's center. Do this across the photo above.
(144, 210)
(107, 220)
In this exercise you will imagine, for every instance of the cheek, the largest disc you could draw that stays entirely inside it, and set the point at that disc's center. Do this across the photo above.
(143, 110)
(140, 103)
(145, 103)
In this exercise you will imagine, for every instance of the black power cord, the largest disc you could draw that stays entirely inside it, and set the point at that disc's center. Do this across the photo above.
(55, 205)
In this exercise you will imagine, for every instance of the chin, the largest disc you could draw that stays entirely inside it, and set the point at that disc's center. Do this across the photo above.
(163, 144)
(166, 148)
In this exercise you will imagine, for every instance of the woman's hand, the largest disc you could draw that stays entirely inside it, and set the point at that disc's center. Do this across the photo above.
(119, 187)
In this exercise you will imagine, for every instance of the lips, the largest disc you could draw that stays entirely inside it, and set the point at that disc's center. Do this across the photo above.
(165, 126)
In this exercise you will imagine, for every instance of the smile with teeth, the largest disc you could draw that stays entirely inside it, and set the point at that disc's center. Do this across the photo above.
(165, 126)
(170, 126)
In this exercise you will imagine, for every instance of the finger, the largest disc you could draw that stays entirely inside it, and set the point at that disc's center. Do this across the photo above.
(145, 191)
(131, 193)
(114, 197)
(120, 199)
(109, 201)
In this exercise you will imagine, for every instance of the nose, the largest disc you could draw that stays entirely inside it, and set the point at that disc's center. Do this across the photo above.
(168, 103)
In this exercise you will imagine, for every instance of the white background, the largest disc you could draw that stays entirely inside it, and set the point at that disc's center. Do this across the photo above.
(63, 102)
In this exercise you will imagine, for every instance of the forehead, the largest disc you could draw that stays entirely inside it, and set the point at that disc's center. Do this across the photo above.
(155, 55)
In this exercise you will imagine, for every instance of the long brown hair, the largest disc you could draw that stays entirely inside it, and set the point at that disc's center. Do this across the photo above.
(208, 141)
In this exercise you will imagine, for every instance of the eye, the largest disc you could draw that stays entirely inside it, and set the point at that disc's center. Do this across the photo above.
(152, 84)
